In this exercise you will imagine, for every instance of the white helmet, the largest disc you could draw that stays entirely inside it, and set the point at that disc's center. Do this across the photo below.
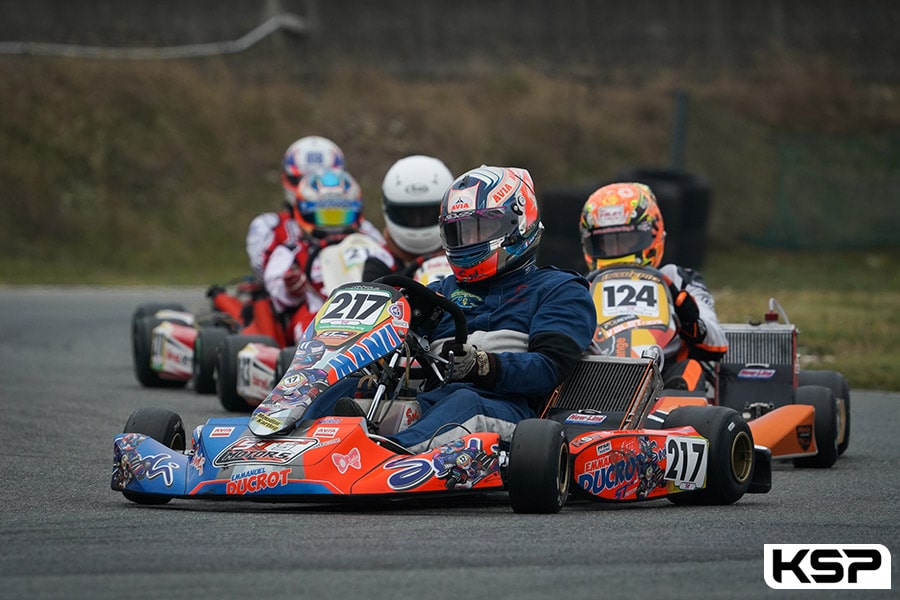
(310, 153)
(412, 192)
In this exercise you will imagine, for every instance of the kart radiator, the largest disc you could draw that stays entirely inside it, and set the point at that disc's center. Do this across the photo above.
(610, 385)
(760, 344)
(760, 365)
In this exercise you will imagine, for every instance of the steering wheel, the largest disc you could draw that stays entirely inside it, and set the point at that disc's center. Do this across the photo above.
(429, 306)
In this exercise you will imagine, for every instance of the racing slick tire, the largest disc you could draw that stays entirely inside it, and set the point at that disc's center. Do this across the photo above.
(227, 369)
(151, 308)
(206, 347)
(841, 390)
(825, 426)
(142, 348)
(285, 357)
(538, 473)
(729, 467)
(164, 426)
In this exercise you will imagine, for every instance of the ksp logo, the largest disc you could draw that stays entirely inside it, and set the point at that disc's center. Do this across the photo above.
(827, 566)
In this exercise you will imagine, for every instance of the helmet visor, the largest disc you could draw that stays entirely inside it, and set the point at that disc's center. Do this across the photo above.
(331, 213)
(466, 229)
(621, 241)
(413, 216)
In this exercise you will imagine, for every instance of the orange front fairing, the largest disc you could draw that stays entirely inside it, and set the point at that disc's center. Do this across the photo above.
(638, 465)
(633, 311)
(336, 456)
(787, 431)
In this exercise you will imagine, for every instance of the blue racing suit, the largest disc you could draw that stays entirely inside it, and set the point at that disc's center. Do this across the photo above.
(538, 322)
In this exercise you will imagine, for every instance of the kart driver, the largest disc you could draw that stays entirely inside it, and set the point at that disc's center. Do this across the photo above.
(527, 326)
(269, 230)
(621, 224)
(411, 201)
(327, 208)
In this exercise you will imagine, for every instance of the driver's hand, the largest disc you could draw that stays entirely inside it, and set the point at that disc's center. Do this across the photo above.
(692, 328)
(471, 365)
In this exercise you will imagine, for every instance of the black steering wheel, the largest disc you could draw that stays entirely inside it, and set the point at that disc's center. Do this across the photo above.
(428, 307)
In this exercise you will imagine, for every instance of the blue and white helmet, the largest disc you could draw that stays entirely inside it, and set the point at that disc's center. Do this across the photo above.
(310, 153)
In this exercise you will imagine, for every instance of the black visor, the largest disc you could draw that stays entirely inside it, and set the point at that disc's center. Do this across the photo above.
(479, 226)
(604, 243)
(412, 216)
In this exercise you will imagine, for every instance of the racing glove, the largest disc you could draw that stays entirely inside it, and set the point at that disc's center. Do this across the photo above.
(295, 281)
(471, 365)
(692, 329)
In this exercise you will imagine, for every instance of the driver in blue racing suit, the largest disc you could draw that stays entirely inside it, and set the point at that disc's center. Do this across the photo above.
(527, 326)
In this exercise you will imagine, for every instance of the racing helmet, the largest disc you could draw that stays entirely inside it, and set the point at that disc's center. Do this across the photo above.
(411, 199)
(307, 154)
(489, 222)
(622, 223)
(328, 203)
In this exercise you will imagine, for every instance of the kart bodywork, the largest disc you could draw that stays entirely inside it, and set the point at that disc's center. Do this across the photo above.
(374, 331)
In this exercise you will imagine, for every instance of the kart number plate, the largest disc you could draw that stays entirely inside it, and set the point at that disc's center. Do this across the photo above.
(353, 308)
(630, 297)
(686, 461)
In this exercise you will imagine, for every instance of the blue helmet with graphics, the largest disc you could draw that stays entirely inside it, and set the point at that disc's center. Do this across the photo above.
(490, 223)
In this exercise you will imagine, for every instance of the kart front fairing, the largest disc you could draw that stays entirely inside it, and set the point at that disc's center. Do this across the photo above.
(326, 458)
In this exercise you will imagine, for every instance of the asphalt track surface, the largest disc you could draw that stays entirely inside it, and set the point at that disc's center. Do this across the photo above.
(67, 387)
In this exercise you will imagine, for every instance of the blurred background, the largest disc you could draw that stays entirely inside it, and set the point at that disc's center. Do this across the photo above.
(138, 139)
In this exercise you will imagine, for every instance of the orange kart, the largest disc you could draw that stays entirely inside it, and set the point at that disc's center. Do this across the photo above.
(797, 415)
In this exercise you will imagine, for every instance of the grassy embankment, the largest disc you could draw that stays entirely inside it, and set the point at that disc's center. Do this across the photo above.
(119, 173)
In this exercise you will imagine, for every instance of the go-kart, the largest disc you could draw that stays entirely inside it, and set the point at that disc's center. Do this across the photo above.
(804, 418)
(249, 365)
(172, 345)
(377, 332)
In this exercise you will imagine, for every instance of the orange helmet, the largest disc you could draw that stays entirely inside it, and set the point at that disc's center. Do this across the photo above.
(622, 223)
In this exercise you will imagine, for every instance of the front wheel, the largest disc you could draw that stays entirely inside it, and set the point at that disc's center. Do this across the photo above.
(164, 426)
(538, 472)
(825, 425)
(142, 350)
(729, 470)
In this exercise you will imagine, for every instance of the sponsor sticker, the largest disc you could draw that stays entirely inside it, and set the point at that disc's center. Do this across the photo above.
(585, 419)
(264, 451)
(756, 373)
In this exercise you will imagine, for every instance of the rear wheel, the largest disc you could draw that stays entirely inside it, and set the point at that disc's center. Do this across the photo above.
(164, 426)
(839, 387)
(538, 472)
(227, 369)
(729, 467)
(825, 424)
(205, 350)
